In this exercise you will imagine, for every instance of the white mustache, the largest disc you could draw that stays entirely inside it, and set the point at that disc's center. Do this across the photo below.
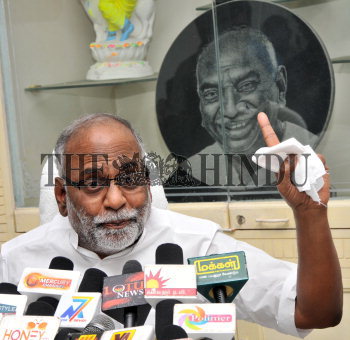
(116, 216)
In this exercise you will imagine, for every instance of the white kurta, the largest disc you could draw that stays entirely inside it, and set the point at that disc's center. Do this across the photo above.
(268, 298)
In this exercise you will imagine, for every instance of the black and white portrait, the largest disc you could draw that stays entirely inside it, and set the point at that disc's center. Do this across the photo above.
(209, 93)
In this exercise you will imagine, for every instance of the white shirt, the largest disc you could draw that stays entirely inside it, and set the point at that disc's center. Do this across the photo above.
(268, 298)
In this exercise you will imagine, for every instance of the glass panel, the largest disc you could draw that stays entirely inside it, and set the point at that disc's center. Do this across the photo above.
(269, 60)
(181, 122)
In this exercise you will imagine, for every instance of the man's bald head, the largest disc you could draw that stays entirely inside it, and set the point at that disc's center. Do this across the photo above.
(80, 125)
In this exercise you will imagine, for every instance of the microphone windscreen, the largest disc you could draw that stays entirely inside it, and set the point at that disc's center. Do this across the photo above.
(99, 324)
(50, 300)
(169, 253)
(62, 263)
(172, 332)
(8, 288)
(40, 308)
(164, 315)
(132, 266)
(92, 281)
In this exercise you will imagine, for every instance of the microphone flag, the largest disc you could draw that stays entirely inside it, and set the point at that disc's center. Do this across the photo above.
(76, 310)
(12, 304)
(48, 282)
(29, 327)
(135, 333)
(170, 282)
(122, 291)
(228, 270)
(210, 320)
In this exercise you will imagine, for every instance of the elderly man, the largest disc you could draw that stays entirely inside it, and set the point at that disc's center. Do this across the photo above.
(106, 219)
(252, 81)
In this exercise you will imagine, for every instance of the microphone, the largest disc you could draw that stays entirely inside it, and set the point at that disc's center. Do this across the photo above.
(164, 315)
(172, 332)
(61, 263)
(44, 306)
(130, 312)
(8, 288)
(94, 329)
(41, 308)
(170, 281)
(210, 320)
(77, 309)
(92, 281)
(123, 296)
(11, 301)
(36, 282)
(50, 300)
(220, 277)
(169, 253)
(99, 324)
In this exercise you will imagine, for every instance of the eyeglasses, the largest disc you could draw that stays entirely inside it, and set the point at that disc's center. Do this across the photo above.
(130, 181)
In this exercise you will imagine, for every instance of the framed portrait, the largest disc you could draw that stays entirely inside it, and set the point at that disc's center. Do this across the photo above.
(264, 58)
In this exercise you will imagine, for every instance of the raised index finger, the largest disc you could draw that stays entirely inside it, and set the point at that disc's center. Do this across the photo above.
(268, 132)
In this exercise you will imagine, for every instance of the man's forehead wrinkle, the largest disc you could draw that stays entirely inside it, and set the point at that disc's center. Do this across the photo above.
(101, 147)
(93, 170)
(104, 141)
(235, 76)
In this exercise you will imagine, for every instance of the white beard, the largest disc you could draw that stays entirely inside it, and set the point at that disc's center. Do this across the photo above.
(106, 241)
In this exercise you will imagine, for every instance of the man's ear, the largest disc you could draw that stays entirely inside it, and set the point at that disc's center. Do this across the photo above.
(61, 196)
(281, 82)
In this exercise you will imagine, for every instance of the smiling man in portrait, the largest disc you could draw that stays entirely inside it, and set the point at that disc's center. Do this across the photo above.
(249, 80)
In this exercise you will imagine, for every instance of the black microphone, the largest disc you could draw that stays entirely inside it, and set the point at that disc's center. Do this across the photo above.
(92, 281)
(61, 263)
(164, 315)
(169, 253)
(132, 266)
(123, 296)
(40, 308)
(172, 332)
(130, 313)
(11, 301)
(50, 300)
(169, 278)
(8, 288)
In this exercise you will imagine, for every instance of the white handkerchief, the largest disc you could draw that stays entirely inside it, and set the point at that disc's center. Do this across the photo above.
(308, 172)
